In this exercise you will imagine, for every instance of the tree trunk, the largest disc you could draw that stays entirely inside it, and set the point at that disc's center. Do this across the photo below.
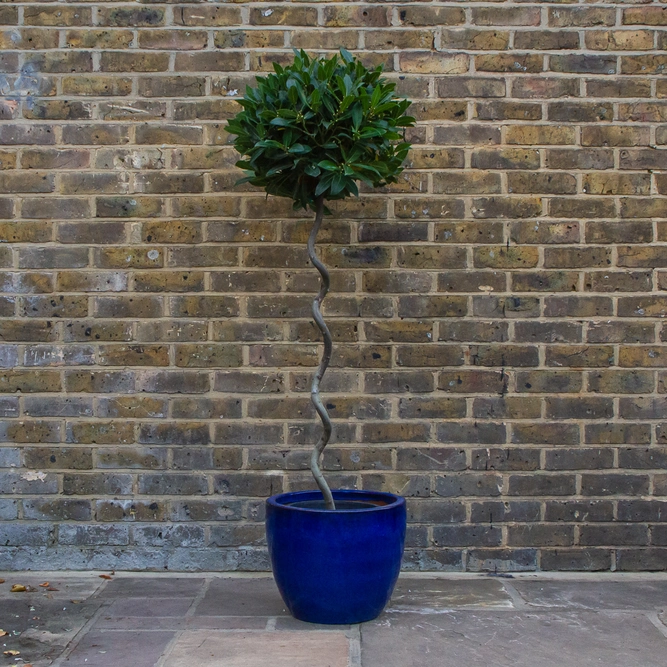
(324, 363)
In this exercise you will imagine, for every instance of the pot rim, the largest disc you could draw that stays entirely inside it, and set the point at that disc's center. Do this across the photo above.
(279, 501)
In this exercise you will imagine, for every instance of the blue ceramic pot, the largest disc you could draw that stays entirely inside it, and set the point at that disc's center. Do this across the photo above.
(336, 567)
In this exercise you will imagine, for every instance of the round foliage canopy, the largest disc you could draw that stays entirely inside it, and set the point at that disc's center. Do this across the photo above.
(314, 128)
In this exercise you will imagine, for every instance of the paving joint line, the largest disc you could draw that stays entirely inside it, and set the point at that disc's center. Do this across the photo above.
(76, 640)
(655, 619)
(354, 637)
(271, 624)
(188, 614)
(517, 600)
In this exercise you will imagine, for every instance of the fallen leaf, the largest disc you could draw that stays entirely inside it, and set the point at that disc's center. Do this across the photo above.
(51, 588)
(11, 654)
(2, 581)
(18, 588)
(105, 576)
(3, 633)
(76, 601)
(46, 584)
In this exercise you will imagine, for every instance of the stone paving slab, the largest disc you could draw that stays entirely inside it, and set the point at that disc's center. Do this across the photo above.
(152, 587)
(448, 593)
(149, 607)
(259, 649)
(513, 639)
(648, 595)
(124, 648)
(242, 597)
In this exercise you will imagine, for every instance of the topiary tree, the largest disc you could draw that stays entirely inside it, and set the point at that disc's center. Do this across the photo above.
(309, 132)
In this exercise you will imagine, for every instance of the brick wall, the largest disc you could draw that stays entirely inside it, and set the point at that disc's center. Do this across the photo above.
(500, 354)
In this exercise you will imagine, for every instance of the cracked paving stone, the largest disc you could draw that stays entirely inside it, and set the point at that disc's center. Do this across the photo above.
(513, 639)
(41, 628)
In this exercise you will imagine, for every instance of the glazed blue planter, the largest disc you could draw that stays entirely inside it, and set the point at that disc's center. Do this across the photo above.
(336, 567)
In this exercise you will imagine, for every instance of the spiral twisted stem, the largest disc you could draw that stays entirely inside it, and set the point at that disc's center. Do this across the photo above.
(324, 363)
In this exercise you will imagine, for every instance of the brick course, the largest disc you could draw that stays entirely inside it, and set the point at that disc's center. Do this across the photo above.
(498, 313)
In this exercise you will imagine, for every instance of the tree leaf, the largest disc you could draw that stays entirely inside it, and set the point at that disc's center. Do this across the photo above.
(300, 149)
(281, 122)
(337, 184)
(328, 165)
(357, 113)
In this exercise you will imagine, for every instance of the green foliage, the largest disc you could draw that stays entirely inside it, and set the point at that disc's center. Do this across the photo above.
(316, 127)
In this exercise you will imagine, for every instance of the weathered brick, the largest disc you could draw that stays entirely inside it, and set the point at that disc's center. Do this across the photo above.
(97, 484)
(131, 355)
(500, 257)
(172, 484)
(614, 484)
(506, 158)
(644, 16)
(100, 433)
(579, 511)
(215, 15)
(578, 306)
(57, 509)
(618, 434)
(431, 458)
(613, 534)
(549, 485)
(90, 39)
(620, 332)
(473, 331)
(497, 511)
(428, 62)
(467, 134)
(530, 535)
(546, 433)
(472, 536)
(618, 88)
(173, 39)
(130, 510)
(62, 207)
(579, 356)
(577, 257)
(517, 63)
(505, 307)
(440, 306)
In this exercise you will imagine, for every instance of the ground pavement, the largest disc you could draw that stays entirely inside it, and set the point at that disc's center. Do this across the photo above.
(207, 620)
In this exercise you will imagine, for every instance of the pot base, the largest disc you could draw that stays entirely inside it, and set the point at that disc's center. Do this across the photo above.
(336, 567)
